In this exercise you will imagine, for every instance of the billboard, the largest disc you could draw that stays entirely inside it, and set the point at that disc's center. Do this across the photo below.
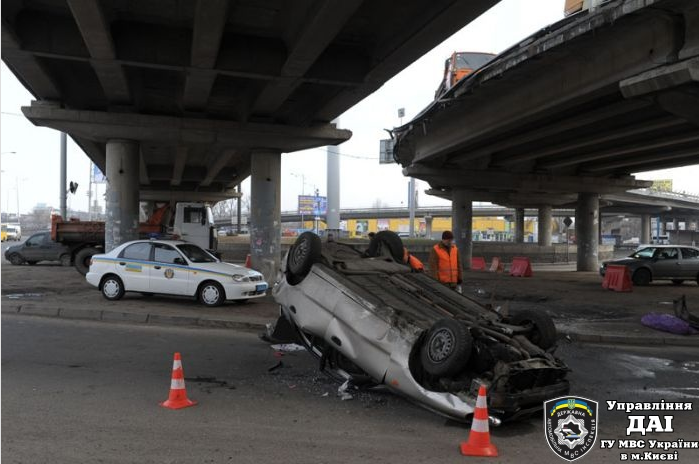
(310, 205)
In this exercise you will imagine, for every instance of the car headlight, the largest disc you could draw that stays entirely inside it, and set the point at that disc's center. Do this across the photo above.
(240, 278)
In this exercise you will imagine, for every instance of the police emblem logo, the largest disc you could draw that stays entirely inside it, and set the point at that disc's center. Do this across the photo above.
(570, 426)
(169, 273)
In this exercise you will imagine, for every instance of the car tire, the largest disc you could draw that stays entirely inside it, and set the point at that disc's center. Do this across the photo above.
(388, 240)
(211, 293)
(82, 259)
(543, 333)
(641, 277)
(302, 256)
(112, 287)
(66, 260)
(15, 259)
(677, 281)
(446, 349)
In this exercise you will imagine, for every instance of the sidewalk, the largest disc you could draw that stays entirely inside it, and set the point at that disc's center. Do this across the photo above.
(581, 309)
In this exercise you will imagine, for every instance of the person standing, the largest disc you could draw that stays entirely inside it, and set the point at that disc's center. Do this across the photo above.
(444, 262)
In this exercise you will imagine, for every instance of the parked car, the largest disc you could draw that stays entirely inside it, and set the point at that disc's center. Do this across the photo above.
(660, 262)
(372, 321)
(172, 267)
(39, 247)
(13, 232)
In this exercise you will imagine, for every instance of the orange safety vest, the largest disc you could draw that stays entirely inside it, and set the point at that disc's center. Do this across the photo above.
(414, 263)
(447, 271)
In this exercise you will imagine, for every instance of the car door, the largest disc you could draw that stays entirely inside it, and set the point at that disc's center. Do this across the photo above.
(133, 266)
(667, 263)
(690, 263)
(34, 247)
(169, 273)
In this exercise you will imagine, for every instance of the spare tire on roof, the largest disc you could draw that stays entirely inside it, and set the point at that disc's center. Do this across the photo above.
(388, 243)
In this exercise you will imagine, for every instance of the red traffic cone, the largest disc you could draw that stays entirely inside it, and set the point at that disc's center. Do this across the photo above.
(248, 262)
(178, 394)
(478, 443)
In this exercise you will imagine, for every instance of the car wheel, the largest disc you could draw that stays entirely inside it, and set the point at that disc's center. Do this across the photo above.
(112, 287)
(211, 293)
(386, 240)
(446, 348)
(82, 259)
(543, 332)
(677, 281)
(66, 260)
(641, 277)
(302, 256)
(16, 259)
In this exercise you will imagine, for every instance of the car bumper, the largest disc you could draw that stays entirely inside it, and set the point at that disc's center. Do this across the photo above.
(93, 278)
(244, 291)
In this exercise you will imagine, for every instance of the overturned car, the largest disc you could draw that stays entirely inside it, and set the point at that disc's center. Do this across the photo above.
(370, 320)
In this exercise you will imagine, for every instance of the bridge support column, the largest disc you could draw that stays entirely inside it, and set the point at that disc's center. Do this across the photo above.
(122, 207)
(544, 226)
(645, 228)
(519, 225)
(462, 225)
(587, 231)
(428, 227)
(265, 213)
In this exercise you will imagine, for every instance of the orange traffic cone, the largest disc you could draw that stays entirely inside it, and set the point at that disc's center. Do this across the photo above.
(178, 394)
(478, 443)
(248, 262)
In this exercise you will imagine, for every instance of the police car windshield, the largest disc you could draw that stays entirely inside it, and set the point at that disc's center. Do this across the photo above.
(196, 254)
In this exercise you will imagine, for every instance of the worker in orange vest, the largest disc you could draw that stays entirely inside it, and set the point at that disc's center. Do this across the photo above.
(414, 263)
(445, 264)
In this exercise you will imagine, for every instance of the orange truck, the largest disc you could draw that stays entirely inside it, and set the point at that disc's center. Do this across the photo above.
(460, 65)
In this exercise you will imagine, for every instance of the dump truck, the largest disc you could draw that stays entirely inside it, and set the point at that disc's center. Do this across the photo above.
(192, 222)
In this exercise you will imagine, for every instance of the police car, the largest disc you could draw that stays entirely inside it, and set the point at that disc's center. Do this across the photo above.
(172, 267)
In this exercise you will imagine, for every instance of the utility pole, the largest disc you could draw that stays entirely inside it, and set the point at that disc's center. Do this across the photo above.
(64, 170)
(333, 188)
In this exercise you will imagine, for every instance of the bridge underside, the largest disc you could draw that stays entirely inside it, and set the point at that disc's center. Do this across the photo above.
(568, 114)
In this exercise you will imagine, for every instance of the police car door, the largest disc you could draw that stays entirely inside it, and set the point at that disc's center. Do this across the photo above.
(169, 273)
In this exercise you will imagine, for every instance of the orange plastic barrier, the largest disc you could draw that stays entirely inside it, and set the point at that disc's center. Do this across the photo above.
(617, 278)
(496, 265)
(478, 263)
(478, 443)
(521, 267)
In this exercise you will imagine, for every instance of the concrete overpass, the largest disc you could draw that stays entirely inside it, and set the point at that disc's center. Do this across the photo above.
(565, 116)
(185, 99)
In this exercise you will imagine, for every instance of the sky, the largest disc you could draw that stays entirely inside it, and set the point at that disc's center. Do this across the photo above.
(30, 155)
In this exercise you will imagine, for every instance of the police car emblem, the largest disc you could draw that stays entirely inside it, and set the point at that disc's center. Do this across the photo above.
(169, 273)
(570, 426)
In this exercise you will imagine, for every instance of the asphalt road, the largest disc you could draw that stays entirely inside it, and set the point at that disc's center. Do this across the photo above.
(77, 392)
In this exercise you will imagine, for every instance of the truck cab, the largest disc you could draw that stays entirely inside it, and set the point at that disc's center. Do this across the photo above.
(194, 222)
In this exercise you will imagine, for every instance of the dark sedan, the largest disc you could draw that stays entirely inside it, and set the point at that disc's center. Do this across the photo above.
(660, 262)
(39, 247)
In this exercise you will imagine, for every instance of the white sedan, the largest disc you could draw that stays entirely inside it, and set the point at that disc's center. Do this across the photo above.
(172, 267)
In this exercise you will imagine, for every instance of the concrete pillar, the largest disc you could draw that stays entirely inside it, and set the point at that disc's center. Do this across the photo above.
(545, 219)
(462, 225)
(428, 227)
(645, 228)
(265, 213)
(122, 207)
(587, 231)
(519, 225)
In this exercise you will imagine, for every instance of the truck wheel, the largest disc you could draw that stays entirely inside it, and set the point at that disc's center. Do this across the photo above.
(211, 293)
(82, 259)
(386, 240)
(112, 287)
(302, 256)
(65, 260)
(16, 259)
(543, 332)
(446, 349)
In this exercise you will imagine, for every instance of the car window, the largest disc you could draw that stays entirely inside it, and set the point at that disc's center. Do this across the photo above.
(165, 253)
(140, 251)
(196, 254)
(193, 215)
(690, 253)
(667, 253)
(36, 240)
(644, 253)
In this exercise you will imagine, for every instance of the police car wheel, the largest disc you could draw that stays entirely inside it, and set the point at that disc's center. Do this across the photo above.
(112, 287)
(211, 294)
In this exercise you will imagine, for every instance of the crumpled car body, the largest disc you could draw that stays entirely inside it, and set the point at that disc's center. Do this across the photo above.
(368, 320)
